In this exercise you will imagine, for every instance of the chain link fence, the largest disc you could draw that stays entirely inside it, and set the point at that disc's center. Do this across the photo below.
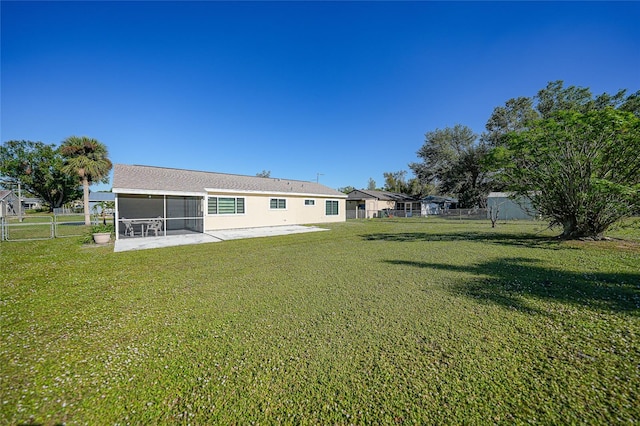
(43, 227)
(459, 214)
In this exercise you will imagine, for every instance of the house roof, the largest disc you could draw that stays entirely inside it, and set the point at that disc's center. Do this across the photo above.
(32, 200)
(439, 199)
(134, 179)
(360, 194)
(4, 193)
(101, 196)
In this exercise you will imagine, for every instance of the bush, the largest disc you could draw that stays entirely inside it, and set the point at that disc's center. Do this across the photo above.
(101, 228)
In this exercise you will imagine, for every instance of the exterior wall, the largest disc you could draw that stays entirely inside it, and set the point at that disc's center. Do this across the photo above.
(259, 213)
(508, 209)
(7, 200)
(371, 206)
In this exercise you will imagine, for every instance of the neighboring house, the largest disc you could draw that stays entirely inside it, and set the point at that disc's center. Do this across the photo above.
(32, 203)
(188, 201)
(366, 203)
(97, 198)
(510, 208)
(436, 204)
(8, 203)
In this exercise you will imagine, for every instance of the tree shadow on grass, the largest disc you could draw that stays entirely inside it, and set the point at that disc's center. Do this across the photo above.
(524, 240)
(511, 281)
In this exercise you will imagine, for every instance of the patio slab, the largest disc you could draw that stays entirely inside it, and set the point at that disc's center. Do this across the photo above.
(127, 244)
(267, 231)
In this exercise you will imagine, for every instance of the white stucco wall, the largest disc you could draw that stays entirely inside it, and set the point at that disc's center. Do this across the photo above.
(259, 213)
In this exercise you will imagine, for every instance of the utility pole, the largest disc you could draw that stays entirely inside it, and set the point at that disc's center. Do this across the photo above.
(19, 202)
(318, 177)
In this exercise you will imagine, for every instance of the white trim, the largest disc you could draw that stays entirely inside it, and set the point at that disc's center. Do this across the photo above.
(133, 191)
(129, 191)
(116, 217)
(297, 194)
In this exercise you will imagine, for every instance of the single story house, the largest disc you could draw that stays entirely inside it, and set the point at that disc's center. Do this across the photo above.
(31, 203)
(189, 201)
(437, 204)
(368, 203)
(510, 207)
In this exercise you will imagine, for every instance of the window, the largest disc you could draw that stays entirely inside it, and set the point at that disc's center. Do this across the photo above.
(331, 207)
(309, 202)
(225, 205)
(278, 203)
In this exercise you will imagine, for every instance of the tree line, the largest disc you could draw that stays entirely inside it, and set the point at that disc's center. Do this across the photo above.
(573, 155)
(57, 175)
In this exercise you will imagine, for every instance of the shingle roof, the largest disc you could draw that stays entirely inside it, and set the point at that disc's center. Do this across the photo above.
(131, 178)
(380, 195)
(439, 199)
(101, 196)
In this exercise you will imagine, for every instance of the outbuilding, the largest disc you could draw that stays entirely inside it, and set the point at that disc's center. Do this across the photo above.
(510, 207)
(166, 201)
(8, 203)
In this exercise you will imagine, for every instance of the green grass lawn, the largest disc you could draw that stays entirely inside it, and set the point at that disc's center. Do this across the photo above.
(389, 321)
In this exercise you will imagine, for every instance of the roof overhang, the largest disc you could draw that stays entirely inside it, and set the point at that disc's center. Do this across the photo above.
(297, 194)
(133, 191)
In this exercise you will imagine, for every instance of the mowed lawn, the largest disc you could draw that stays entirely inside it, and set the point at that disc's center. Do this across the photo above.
(389, 321)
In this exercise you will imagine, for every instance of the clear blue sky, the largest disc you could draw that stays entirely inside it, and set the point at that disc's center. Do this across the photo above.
(298, 88)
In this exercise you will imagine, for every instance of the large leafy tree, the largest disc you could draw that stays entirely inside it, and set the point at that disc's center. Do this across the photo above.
(87, 160)
(580, 170)
(568, 135)
(38, 168)
(517, 112)
(452, 163)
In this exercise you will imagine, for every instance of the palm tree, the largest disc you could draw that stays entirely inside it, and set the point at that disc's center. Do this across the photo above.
(86, 158)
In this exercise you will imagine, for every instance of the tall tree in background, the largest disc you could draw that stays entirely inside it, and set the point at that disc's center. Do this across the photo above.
(508, 118)
(87, 159)
(452, 162)
(346, 189)
(264, 174)
(38, 168)
(371, 185)
(396, 182)
(573, 155)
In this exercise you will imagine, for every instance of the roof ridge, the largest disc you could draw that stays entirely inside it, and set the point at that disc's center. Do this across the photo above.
(154, 178)
(217, 173)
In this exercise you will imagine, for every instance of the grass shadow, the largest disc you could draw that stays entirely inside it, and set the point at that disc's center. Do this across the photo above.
(510, 239)
(511, 281)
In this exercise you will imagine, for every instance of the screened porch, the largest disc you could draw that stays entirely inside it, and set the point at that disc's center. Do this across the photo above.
(158, 215)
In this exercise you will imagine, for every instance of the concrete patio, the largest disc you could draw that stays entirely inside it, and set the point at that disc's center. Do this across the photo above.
(143, 243)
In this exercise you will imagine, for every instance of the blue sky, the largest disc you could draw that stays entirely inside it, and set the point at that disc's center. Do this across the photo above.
(344, 89)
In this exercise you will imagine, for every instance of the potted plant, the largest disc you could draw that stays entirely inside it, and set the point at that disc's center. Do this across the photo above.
(102, 233)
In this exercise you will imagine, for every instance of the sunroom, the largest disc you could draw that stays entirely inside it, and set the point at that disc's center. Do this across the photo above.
(152, 215)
